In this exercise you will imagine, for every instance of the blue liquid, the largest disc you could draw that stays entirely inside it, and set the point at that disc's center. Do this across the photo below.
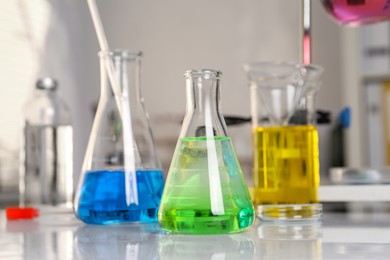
(103, 197)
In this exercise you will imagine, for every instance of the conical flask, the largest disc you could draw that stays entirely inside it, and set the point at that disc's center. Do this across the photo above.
(121, 179)
(205, 191)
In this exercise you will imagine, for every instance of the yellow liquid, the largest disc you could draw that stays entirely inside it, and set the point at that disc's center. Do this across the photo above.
(286, 165)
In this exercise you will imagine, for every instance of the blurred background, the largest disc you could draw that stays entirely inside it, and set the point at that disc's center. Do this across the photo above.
(56, 38)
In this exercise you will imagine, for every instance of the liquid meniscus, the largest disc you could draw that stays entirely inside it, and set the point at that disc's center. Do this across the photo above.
(103, 197)
(286, 165)
(186, 204)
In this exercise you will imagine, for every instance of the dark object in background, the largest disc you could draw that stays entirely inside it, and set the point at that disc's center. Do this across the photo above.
(322, 117)
(337, 138)
(236, 120)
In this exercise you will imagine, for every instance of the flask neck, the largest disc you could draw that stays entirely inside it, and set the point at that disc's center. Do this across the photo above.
(203, 95)
(45, 93)
(122, 117)
(203, 117)
(127, 73)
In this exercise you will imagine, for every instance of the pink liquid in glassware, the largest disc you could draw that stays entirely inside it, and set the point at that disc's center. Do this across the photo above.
(358, 12)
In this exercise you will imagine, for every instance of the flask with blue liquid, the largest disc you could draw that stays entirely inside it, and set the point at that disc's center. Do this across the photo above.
(121, 179)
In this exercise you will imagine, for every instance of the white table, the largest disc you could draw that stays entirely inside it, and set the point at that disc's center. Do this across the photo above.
(58, 235)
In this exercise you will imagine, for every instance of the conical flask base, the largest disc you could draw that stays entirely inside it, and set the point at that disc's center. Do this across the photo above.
(187, 205)
(103, 197)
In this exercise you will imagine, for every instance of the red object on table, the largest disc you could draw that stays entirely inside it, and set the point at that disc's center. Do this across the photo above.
(15, 213)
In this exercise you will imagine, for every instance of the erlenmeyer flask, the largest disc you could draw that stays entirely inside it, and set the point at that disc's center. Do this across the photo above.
(205, 191)
(121, 179)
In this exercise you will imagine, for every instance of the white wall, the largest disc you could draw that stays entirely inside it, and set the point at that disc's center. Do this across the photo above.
(40, 38)
(177, 35)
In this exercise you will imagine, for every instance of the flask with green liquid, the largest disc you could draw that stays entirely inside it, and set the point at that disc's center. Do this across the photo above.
(205, 191)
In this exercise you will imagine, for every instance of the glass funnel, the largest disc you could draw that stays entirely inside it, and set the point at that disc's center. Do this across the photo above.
(121, 179)
(205, 191)
(285, 140)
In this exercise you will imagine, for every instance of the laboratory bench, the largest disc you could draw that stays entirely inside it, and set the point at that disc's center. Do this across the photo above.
(57, 234)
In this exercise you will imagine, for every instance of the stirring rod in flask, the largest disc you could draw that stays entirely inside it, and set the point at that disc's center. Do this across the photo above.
(123, 108)
(216, 198)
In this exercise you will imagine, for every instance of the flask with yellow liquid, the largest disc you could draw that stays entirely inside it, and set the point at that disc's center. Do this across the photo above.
(285, 140)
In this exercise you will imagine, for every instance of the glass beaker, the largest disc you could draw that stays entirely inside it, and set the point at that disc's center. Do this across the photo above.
(121, 179)
(285, 140)
(205, 191)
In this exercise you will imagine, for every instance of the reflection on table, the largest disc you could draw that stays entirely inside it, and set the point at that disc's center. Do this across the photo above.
(59, 235)
(292, 240)
(117, 242)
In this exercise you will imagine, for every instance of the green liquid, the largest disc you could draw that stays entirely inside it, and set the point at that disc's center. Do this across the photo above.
(186, 205)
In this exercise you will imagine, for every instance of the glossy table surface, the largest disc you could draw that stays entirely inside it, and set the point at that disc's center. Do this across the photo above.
(57, 234)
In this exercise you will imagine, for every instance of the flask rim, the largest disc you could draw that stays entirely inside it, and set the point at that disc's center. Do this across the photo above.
(120, 53)
(263, 70)
(203, 73)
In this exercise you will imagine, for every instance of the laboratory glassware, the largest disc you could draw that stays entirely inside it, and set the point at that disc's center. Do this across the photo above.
(121, 178)
(358, 12)
(285, 140)
(205, 191)
(46, 161)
